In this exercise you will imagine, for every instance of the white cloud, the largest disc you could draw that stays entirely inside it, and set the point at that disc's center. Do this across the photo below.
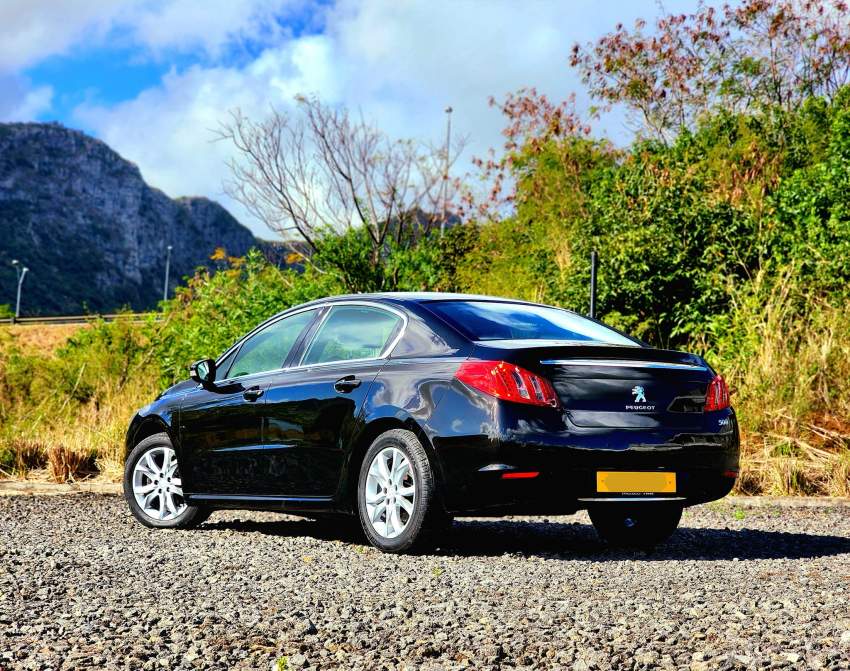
(400, 63)
(185, 25)
(169, 131)
(31, 30)
(19, 101)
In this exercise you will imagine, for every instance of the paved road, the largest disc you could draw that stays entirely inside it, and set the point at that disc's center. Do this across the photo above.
(82, 585)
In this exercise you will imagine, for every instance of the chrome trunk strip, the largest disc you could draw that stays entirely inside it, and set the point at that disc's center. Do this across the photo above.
(622, 363)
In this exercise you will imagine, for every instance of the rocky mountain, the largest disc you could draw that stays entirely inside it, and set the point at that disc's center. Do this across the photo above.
(92, 232)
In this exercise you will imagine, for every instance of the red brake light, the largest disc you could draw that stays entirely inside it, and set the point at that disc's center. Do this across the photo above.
(717, 396)
(508, 382)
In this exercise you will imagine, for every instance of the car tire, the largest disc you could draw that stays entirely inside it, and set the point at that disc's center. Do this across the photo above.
(635, 526)
(149, 478)
(417, 516)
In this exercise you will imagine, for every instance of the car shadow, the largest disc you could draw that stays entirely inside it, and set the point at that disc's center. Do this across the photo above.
(484, 538)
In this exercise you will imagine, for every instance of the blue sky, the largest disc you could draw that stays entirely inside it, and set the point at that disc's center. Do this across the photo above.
(153, 78)
(107, 75)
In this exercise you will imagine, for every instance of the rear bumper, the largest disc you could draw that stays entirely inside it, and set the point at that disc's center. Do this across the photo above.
(566, 490)
(567, 459)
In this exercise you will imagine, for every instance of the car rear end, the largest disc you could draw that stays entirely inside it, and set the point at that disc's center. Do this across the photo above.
(552, 426)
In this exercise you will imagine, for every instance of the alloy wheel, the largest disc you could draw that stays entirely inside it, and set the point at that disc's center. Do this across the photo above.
(157, 486)
(390, 492)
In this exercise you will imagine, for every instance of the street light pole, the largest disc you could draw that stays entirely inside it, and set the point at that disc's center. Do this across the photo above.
(167, 268)
(21, 273)
(446, 170)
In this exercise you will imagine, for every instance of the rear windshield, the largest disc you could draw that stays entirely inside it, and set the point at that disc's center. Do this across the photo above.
(488, 320)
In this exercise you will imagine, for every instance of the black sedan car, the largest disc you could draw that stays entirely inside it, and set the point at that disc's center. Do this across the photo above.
(406, 409)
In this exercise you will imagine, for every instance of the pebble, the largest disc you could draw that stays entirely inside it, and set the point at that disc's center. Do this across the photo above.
(82, 583)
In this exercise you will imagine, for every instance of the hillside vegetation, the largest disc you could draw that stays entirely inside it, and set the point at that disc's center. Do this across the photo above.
(723, 229)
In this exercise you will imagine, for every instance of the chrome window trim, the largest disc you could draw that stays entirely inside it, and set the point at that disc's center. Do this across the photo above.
(385, 353)
(245, 378)
(623, 363)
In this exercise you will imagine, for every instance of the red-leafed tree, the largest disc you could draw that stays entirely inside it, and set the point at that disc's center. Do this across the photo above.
(757, 55)
(533, 122)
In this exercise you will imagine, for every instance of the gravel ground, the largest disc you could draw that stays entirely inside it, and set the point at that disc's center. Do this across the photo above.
(83, 585)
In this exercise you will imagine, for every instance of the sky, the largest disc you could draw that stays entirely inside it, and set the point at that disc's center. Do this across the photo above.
(155, 78)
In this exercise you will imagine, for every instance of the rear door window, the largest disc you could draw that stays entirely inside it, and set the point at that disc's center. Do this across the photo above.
(352, 332)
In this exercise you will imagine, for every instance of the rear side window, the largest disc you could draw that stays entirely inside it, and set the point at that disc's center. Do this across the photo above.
(490, 320)
(352, 332)
(268, 349)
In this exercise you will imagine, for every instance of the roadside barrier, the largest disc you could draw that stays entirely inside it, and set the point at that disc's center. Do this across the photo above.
(82, 319)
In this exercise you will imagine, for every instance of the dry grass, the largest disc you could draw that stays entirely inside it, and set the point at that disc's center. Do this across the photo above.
(88, 439)
(61, 436)
(67, 464)
(791, 381)
(29, 455)
(41, 338)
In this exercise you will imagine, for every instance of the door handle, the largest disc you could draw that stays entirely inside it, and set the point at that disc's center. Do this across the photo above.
(346, 384)
(252, 394)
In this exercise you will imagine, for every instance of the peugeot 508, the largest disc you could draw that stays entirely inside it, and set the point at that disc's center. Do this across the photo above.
(406, 410)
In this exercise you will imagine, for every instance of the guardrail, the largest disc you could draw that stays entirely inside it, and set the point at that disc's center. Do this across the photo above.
(82, 319)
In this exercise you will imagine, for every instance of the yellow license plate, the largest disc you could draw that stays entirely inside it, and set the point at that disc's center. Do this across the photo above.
(634, 482)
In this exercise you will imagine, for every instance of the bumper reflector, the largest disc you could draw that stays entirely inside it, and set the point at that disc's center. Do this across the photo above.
(730, 474)
(520, 475)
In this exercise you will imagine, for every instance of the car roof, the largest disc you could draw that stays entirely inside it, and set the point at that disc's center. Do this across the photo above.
(419, 297)
(405, 297)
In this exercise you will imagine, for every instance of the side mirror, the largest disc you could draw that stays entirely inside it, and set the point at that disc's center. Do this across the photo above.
(203, 372)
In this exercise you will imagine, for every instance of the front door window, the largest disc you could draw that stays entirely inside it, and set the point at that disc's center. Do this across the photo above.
(268, 349)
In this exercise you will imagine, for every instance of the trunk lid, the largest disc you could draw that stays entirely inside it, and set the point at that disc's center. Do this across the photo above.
(613, 386)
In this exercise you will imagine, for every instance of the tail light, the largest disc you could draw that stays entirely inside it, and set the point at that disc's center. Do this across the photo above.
(508, 382)
(717, 396)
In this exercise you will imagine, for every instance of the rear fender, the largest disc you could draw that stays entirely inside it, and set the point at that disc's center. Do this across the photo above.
(401, 397)
(369, 429)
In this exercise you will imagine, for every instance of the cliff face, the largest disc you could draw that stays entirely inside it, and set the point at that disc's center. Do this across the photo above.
(92, 232)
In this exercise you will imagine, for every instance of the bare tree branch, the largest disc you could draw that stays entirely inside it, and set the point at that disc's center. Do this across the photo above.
(316, 170)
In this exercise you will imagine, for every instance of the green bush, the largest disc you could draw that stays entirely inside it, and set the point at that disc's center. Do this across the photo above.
(679, 228)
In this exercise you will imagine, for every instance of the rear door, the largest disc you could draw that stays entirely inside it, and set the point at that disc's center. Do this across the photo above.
(312, 408)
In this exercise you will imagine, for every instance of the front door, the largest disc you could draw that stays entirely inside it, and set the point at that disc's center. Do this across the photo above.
(221, 436)
(221, 426)
(312, 409)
